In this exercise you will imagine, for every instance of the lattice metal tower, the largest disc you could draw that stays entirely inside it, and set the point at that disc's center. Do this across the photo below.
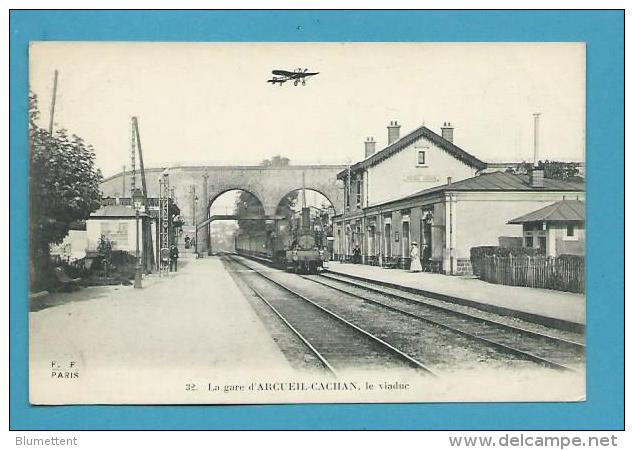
(164, 222)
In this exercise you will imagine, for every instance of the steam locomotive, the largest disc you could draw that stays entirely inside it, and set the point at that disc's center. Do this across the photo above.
(287, 244)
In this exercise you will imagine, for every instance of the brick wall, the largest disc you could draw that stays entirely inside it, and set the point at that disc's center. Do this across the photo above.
(464, 266)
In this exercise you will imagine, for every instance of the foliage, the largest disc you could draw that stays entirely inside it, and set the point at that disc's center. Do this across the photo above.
(276, 161)
(248, 204)
(494, 250)
(557, 170)
(63, 188)
(477, 253)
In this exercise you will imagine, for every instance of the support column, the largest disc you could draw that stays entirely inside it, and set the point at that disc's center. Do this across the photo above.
(381, 227)
(446, 256)
(364, 241)
(206, 238)
(450, 263)
(454, 236)
(346, 241)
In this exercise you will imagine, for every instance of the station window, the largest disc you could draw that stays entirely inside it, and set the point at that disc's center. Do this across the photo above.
(359, 193)
(570, 230)
(528, 241)
(421, 158)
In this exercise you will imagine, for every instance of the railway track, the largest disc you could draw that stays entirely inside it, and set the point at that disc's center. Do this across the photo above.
(544, 349)
(337, 343)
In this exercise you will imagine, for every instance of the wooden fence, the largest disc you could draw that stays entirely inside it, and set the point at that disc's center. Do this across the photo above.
(562, 273)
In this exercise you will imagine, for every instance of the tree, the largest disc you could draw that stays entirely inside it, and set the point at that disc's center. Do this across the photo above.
(276, 161)
(247, 204)
(557, 170)
(560, 170)
(64, 188)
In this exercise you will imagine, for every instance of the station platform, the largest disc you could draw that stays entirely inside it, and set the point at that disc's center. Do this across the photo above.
(148, 345)
(564, 310)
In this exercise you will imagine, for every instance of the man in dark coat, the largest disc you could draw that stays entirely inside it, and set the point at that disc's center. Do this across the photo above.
(356, 254)
(174, 258)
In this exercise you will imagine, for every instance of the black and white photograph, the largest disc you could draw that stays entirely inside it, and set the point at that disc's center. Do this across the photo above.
(268, 223)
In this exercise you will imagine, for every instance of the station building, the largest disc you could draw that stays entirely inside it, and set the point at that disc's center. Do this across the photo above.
(423, 188)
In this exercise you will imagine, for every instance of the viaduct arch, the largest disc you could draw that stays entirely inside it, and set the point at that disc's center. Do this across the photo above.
(268, 184)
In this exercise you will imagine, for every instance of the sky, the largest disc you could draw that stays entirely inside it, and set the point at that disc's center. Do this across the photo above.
(206, 103)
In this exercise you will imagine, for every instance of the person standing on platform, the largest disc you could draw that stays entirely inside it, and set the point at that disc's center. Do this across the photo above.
(415, 265)
(356, 254)
(174, 258)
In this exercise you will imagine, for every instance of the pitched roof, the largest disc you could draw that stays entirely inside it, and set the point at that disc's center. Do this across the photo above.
(115, 211)
(405, 141)
(561, 211)
(503, 181)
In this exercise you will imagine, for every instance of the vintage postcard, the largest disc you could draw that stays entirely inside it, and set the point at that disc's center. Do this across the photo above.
(253, 223)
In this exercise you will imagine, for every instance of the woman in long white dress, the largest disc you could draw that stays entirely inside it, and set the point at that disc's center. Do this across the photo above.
(415, 265)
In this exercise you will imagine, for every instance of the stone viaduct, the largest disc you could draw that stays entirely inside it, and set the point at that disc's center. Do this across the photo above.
(268, 184)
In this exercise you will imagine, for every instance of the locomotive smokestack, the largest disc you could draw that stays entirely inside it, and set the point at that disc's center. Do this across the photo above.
(306, 218)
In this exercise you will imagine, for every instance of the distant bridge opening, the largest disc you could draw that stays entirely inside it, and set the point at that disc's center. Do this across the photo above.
(231, 212)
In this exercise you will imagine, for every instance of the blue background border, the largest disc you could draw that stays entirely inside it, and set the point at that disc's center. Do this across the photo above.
(603, 31)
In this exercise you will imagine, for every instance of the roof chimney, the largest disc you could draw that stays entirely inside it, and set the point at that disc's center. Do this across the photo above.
(447, 131)
(370, 147)
(393, 132)
(536, 176)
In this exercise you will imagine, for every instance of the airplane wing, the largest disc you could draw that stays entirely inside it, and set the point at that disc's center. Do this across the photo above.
(284, 73)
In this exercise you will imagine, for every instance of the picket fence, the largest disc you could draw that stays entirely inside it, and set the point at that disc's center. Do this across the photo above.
(560, 273)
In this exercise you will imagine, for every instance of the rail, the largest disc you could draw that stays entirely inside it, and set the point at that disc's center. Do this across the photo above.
(409, 360)
(576, 347)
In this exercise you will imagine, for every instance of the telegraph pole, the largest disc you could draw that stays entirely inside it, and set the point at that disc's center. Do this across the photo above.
(135, 124)
(303, 189)
(50, 124)
(349, 200)
(192, 190)
(133, 157)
